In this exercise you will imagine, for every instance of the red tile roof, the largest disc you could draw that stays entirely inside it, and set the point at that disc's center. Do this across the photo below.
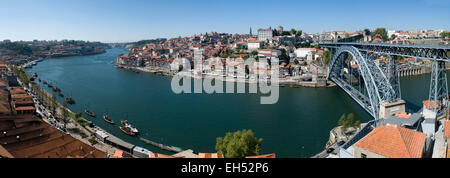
(430, 104)
(29, 137)
(117, 154)
(25, 108)
(3, 83)
(4, 153)
(5, 107)
(403, 115)
(16, 91)
(210, 155)
(263, 156)
(394, 142)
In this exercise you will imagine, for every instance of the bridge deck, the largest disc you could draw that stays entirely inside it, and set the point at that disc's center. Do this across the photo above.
(445, 47)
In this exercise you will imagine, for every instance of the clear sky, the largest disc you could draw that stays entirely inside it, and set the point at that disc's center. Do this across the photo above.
(132, 20)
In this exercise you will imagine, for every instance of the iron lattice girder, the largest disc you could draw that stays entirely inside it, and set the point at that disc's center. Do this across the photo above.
(376, 83)
(436, 52)
(393, 76)
(387, 92)
(438, 87)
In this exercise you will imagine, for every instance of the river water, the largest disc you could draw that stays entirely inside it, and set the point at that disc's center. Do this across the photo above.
(297, 126)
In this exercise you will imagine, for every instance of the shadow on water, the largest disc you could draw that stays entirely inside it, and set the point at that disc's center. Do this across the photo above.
(412, 107)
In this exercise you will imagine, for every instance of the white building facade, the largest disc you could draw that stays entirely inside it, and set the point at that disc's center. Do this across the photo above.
(305, 53)
(265, 34)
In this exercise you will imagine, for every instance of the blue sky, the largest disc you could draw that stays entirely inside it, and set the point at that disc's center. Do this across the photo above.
(131, 20)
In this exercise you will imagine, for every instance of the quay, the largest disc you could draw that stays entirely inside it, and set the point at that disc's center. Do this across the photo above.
(416, 70)
(109, 144)
(112, 140)
(316, 81)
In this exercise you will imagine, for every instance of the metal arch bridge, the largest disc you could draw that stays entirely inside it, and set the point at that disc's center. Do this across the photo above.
(379, 86)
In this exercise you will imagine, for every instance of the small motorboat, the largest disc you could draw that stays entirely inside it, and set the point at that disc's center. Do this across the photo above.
(107, 119)
(70, 100)
(128, 128)
(89, 113)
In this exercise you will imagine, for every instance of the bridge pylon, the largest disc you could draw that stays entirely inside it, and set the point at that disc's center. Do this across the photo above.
(438, 88)
(393, 76)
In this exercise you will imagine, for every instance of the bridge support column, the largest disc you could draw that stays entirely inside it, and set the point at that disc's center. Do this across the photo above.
(391, 108)
(438, 88)
(393, 77)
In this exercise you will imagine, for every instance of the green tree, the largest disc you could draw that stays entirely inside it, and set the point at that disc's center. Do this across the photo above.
(18, 47)
(350, 119)
(399, 58)
(393, 36)
(382, 32)
(341, 121)
(357, 124)
(65, 112)
(239, 144)
(293, 31)
(445, 35)
(275, 32)
(327, 55)
(366, 31)
(254, 53)
(227, 53)
(53, 104)
(284, 33)
(78, 115)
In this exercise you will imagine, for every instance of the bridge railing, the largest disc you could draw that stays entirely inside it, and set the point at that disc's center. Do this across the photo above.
(446, 47)
(434, 52)
(360, 134)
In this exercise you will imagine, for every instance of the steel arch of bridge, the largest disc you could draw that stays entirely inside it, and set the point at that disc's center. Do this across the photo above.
(377, 85)
(435, 52)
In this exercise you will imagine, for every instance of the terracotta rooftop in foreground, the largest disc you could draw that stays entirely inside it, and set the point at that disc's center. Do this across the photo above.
(18, 90)
(447, 129)
(4, 153)
(394, 142)
(120, 154)
(157, 155)
(5, 107)
(430, 104)
(26, 136)
(3, 83)
(210, 155)
(403, 115)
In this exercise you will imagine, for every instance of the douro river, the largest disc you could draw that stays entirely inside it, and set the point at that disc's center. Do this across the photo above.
(297, 126)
